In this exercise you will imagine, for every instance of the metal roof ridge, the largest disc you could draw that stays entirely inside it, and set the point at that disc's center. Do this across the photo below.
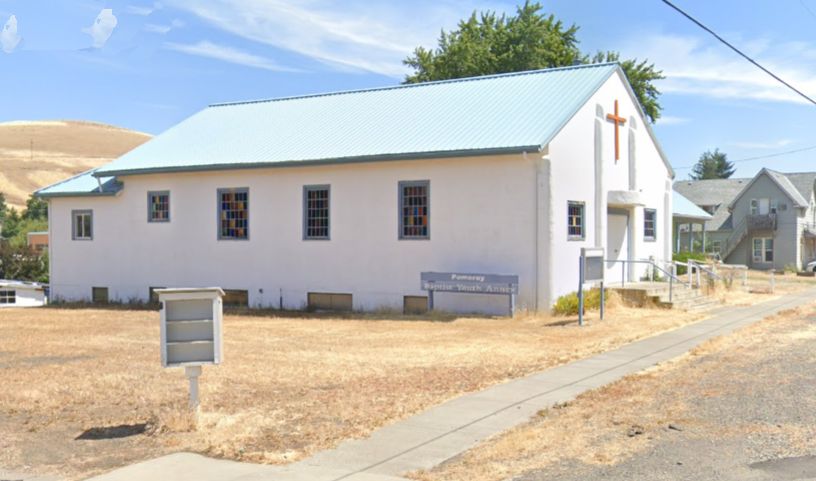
(415, 85)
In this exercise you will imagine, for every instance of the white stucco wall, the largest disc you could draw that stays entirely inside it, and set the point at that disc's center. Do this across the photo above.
(572, 154)
(25, 297)
(480, 221)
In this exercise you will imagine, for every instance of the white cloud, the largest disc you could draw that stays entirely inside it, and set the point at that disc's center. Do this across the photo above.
(710, 69)
(227, 54)
(671, 120)
(143, 11)
(354, 34)
(102, 28)
(753, 145)
(163, 29)
(9, 37)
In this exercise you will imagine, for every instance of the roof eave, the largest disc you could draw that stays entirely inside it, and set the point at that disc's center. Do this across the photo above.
(332, 161)
(46, 195)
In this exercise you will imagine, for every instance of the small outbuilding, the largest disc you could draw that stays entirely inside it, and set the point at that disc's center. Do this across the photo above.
(21, 294)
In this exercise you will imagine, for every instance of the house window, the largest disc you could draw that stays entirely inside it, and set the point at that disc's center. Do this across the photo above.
(158, 206)
(316, 212)
(575, 220)
(8, 297)
(763, 249)
(82, 224)
(414, 209)
(649, 224)
(233, 214)
(715, 246)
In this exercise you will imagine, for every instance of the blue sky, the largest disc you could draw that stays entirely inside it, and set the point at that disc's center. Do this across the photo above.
(147, 65)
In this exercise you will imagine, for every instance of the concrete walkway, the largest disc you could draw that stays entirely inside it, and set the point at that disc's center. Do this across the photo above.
(429, 438)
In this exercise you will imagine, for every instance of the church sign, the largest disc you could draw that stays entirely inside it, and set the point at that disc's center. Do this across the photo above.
(464, 283)
(469, 283)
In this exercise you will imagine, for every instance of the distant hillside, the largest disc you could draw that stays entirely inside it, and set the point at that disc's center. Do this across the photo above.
(34, 154)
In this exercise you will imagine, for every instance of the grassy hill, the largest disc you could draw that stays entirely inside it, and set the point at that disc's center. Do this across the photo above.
(34, 154)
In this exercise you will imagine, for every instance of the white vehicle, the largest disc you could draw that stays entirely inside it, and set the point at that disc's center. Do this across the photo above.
(811, 267)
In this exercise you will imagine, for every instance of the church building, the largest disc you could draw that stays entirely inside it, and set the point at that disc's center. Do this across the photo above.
(342, 200)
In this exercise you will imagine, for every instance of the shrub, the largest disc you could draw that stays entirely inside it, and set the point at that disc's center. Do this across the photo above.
(686, 256)
(791, 268)
(567, 305)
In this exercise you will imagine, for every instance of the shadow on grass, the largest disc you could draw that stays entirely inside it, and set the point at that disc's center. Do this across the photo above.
(112, 432)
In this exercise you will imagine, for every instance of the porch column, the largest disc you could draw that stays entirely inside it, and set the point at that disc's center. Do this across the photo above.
(691, 237)
(704, 237)
(677, 236)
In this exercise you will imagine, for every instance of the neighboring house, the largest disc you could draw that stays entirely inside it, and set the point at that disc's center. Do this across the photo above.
(686, 215)
(343, 199)
(766, 222)
(38, 241)
(21, 294)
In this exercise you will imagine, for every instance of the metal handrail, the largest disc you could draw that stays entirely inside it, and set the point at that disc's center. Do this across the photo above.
(733, 240)
(650, 262)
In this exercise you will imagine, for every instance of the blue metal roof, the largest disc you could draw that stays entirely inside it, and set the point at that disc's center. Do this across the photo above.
(83, 184)
(482, 115)
(683, 208)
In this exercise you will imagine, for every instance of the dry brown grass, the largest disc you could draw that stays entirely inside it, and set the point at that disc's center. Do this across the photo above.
(60, 149)
(598, 421)
(288, 386)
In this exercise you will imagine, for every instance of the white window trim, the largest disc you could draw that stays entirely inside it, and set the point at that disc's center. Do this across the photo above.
(762, 258)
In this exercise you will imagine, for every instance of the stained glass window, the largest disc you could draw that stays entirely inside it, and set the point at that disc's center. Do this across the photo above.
(575, 220)
(233, 213)
(316, 212)
(158, 205)
(415, 209)
(649, 224)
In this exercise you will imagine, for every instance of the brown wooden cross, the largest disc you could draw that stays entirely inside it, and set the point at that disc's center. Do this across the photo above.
(618, 122)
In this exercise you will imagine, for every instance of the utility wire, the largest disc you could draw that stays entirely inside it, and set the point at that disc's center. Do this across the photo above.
(747, 159)
(746, 57)
(811, 12)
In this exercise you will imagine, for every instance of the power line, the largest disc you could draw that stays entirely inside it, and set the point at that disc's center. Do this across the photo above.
(811, 12)
(746, 57)
(747, 159)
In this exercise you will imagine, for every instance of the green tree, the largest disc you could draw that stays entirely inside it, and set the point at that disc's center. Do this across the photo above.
(11, 223)
(36, 209)
(3, 208)
(487, 43)
(22, 263)
(712, 165)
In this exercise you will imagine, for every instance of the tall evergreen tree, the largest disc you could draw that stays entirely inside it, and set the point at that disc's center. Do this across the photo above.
(712, 165)
(487, 43)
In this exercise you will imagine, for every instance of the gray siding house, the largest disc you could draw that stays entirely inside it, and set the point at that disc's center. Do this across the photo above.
(766, 222)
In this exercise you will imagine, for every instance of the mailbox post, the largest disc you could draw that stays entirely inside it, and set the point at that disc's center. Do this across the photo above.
(191, 331)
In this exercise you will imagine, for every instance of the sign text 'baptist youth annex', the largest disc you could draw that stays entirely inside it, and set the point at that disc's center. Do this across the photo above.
(469, 283)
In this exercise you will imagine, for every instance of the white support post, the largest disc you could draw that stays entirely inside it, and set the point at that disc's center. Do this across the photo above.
(192, 373)
(689, 273)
